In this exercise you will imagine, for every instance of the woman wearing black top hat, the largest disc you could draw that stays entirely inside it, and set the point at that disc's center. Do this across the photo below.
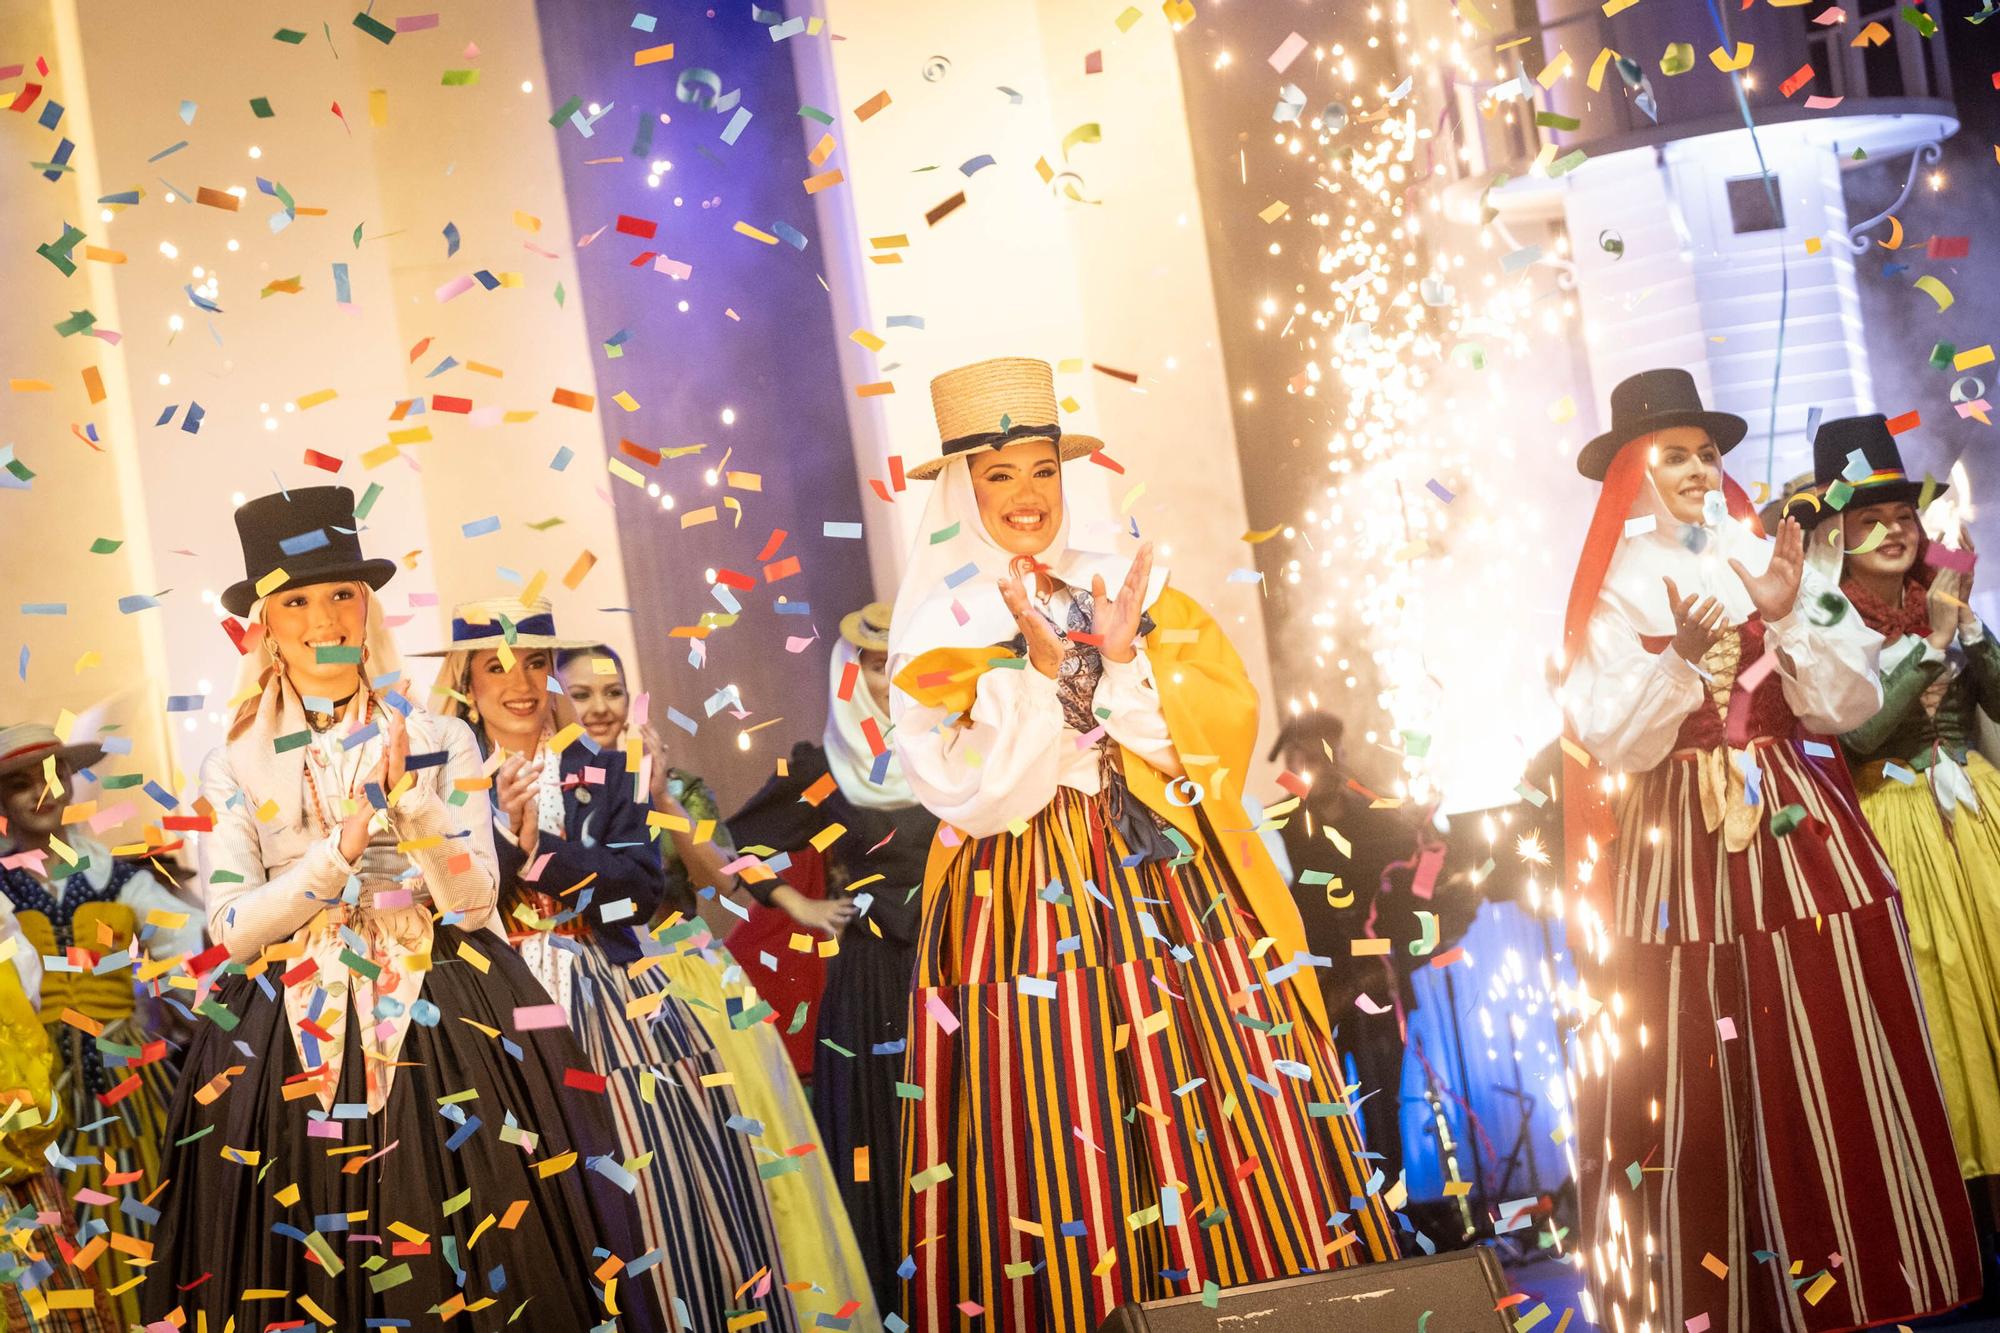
(1932, 798)
(1762, 1142)
(374, 1090)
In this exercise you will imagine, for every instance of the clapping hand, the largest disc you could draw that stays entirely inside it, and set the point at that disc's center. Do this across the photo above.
(1695, 627)
(1045, 649)
(1776, 590)
(515, 784)
(1116, 619)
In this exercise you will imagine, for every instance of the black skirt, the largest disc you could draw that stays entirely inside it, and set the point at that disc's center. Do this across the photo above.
(224, 1231)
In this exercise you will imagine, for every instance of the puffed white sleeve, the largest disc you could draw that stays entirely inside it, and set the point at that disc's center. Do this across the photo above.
(1127, 695)
(1003, 767)
(27, 963)
(452, 842)
(1832, 672)
(1624, 704)
(246, 911)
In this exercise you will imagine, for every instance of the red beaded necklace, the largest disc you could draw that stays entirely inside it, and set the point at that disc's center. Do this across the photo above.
(319, 810)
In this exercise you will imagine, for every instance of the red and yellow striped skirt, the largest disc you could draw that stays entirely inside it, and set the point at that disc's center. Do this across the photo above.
(1109, 1099)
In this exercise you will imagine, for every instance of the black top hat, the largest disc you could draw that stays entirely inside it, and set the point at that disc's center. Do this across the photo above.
(1839, 439)
(309, 534)
(1654, 400)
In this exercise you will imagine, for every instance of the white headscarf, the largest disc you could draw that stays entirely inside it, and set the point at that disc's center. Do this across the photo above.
(950, 596)
(848, 755)
(1695, 556)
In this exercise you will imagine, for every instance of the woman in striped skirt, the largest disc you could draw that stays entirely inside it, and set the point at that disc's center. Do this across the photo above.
(1762, 1143)
(1117, 1089)
(580, 879)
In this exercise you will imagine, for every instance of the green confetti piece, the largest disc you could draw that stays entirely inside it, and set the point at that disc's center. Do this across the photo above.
(1556, 121)
(798, 1016)
(1942, 355)
(566, 110)
(375, 28)
(260, 107)
(784, 1166)
(105, 545)
(355, 963)
(1785, 822)
(756, 1013)
(811, 112)
(944, 534)
(459, 78)
(289, 36)
(1210, 1293)
(79, 321)
(120, 781)
(368, 499)
(910, 1092)
(1925, 25)
(1678, 59)
(1416, 744)
(201, 1133)
(291, 742)
(337, 654)
(1567, 163)
(1838, 494)
(217, 1014)
(559, 295)
(390, 1277)
(834, 1046)
(61, 252)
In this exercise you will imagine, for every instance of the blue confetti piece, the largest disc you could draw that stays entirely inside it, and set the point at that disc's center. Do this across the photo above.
(361, 737)
(645, 22)
(479, 527)
(681, 720)
(461, 1134)
(722, 594)
(968, 570)
(879, 769)
(972, 166)
(485, 278)
(187, 111)
(846, 531)
(792, 608)
(137, 601)
(450, 239)
(1244, 576)
(191, 423)
(58, 159)
(342, 293)
(168, 151)
(161, 796)
(45, 608)
(122, 197)
(906, 321)
(737, 124)
(168, 415)
(22, 669)
(184, 703)
(1436, 487)
(200, 302)
(1074, 1229)
(789, 234)
(305, 541)
(1039, 987)
(449, 363)
(52, 114)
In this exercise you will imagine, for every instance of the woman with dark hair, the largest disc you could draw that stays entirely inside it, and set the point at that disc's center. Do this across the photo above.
(580, 883)
(1129, 1089)
(812, 1225)
(1930, 796)
(371, 1092)
(1762, 1144)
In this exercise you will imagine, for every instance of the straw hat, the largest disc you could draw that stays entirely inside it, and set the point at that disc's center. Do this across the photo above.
(29, 743)
(492, 622)
(868, 628)
(991, 404)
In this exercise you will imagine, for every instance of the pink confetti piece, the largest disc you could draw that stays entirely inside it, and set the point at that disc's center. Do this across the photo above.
(458, 286)
(941, 1013)
(1725, 1028)
(416, 22)
(537, 1017)
(1818, 103)
(534, 872)
(673, 268)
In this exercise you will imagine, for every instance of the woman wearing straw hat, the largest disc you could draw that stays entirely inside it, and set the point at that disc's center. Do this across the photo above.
(1126, 1095)
(580, 881)
(874, 870)
(70, 893)
(1762, 1145)
(374, 1087)
(1930, 796)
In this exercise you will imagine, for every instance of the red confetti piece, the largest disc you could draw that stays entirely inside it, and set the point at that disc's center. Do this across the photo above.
(324, 462)
(444, 402)
(644, 228)
(1907, 421)
(583, 1079)
(1797, 81)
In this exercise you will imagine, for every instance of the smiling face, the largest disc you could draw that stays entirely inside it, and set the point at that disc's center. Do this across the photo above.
(32, 813)
(513, 704)
(596, 690)
(1019, 489)
(301, 621)
(1686, 466)
(1898, 551)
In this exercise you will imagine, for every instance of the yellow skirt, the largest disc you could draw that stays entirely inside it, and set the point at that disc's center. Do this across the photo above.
(814, 1235)
(1950, 881)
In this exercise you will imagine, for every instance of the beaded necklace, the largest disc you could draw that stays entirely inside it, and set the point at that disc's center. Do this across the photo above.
(321, 815)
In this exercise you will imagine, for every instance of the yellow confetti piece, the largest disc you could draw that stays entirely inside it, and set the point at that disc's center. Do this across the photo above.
(1728, 64)
(1254, 536)
(1821, 1285)
(378, 107)
(744, 481)
(1937, 291)
(1562, 409)
(1614, 7)
(414, 435)
(565, 738)
(468, 954)
(821, 150)
(1128, 18)
(867, 339)
(872, 106)
(576, 574)
(1977, 356)
(624, 471)
(625, 400)
(825, 837)
(696, 517)
(379, 455)
(1873, 540)
(316, 398)
(745, 229)
(1812, 245)
(271, 581)
(1596, 79)
(1554, 70)
(556, 1165)
(1275, 211)
(527, 221)
(1105, 1263)
(30, 386)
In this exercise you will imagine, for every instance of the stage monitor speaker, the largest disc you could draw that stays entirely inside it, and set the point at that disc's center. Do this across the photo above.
(1461, 1290)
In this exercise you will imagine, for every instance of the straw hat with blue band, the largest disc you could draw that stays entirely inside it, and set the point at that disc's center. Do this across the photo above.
(992, 404)
(497, 622)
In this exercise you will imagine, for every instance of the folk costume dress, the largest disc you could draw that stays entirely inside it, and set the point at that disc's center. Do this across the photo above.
(1126, 1091)
(1762, 1141)
(38, 1280)
(708, 1235)
(864, 1009)
(1934, 801)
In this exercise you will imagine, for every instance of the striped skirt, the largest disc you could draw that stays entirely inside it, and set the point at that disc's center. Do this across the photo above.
(702, 1214)
(40, 1291)
(1763, 1144)
(1108, 1098)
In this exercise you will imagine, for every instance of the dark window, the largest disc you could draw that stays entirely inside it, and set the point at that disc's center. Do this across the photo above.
(1754, 208)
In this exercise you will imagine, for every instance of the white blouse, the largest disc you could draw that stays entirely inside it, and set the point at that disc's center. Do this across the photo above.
(1007, 765)
(1626, 705)
(285, 876)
